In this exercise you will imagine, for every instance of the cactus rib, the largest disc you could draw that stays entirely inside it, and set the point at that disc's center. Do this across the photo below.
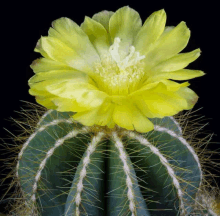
(49, 153)
(67, 169)
(184, 142)
(55, 122)
(164, 161)
(77, 197)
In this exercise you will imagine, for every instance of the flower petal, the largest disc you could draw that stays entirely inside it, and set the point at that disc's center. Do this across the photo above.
(103, 17)
(85, 94)
(42, 96)
(39, 48)
(67, 105)
(170, 85)
(45, 65)
(142, 105)
(125, 23)
(173, 86)
(45, 101)
(97, 35)
(130, 117)
(150, 31)
(169, 44)
(74, 37)
(160, 101)
(58, 51)
(60, 75)
(189, 95)
(39, 88)
(101, 115)
(48, 86)
(41, 81)
(183, 74)
(177, 62)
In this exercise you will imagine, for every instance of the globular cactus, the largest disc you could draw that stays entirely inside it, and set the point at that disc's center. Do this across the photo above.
(69, 169)
(109, 144)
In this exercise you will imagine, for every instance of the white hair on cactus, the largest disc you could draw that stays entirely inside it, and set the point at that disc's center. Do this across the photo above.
(164, 161)
(25, 145)
(90, 150)
(184, 142)
(123, 157)
(42, 165)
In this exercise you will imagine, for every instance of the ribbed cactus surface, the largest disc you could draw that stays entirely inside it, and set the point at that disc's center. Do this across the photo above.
(67, 169)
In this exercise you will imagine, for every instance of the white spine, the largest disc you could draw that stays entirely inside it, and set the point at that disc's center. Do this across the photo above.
(90, 150)
(44, 116)
(184, 142)
(55, 122)
(208, 202)
(123, 157)
(176, 123)
(42, 165)
(164, 161)
(212, 212)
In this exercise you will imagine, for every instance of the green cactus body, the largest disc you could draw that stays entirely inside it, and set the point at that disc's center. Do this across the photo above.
(65, 168)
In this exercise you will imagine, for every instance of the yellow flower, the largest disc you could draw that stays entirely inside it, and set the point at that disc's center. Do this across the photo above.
(114, 70)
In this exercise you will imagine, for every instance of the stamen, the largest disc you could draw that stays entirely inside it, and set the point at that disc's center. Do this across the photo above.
(114, 49)
(128, 61)
(116, 75)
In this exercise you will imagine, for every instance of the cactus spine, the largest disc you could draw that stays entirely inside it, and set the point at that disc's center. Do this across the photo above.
(65, 168)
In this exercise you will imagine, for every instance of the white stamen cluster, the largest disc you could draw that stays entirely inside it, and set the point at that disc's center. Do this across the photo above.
(164, 161)
(116, 75)
(132, 59)
(123, 157)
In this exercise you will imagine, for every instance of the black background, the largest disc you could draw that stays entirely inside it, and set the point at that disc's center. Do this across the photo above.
(23, 23)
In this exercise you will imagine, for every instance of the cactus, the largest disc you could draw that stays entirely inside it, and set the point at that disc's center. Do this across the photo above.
(65, 168)
(109, 143)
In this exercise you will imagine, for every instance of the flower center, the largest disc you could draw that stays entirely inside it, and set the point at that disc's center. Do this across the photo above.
(118, 76)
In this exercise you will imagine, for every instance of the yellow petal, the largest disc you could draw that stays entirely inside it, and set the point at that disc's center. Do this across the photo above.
(46, 101)
(43, 97)
(97, 35)
(85, 94)
(183, 74)
(39, 88)
(39, 48)
(101, 115)
(174, 86)
(129, 117)
(170, 85)
(60, 75)
(125, 23)
(167, 30)
(67, 89)
(160, 101)
(150, 31)
(190, 96)
(103, 17)
(177, 62)
(67, 31)
(44, 65)
(168, 45)
(60, 52)
(143, 107)
(66, 105)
